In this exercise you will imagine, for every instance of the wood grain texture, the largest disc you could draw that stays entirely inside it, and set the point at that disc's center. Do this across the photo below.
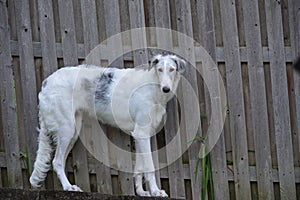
(138, 37)
(207, 39)
(185, 44)
(28, 80)
(280, 100)
(47, 33)
(67, 26)
(294, 24)
(235, 100)
(122, 161)
(8, 104)
(258, 100)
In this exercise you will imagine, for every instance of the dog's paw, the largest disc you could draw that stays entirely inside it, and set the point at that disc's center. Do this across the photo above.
(73, 188)
(159, 193)
(143, 193)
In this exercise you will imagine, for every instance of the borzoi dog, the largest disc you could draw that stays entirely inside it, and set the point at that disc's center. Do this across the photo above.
(105, 93)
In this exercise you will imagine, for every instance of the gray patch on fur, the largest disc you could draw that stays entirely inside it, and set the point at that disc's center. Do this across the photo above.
(44, 83)
(103, 85)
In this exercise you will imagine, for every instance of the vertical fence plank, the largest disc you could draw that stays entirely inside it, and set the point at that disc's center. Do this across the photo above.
(67, 26)
(79, 153)
(218, 153)
(294, 19)
(258, 100)
(12, 22)
(113, 27)
(89, 19)
(78, 21)
(34, 17)
(69, 47)
(28, 80)
(235, 100)
(138, 38)
(47, 37)
(164, 42)
(8, 104)
(186, 48)
(280, 100)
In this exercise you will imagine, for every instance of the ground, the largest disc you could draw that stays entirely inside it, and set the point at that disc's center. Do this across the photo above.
(19, 194)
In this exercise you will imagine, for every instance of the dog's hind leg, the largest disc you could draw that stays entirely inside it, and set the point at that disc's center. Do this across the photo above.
(66, 139)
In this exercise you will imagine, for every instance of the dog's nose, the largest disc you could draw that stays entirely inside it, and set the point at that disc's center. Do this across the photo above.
(166, 89)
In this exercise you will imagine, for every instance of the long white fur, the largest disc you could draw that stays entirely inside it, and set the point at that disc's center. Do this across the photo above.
(70, 91)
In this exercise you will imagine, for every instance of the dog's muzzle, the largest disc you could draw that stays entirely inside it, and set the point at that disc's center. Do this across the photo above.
(166, 89)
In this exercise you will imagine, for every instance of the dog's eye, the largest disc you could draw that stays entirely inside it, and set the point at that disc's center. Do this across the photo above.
(172, 69)
(160, 69)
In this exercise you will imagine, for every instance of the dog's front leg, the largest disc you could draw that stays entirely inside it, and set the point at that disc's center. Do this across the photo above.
(144, 163)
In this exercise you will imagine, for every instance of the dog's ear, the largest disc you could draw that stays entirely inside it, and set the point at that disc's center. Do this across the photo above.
(154, 61)
(180, 63)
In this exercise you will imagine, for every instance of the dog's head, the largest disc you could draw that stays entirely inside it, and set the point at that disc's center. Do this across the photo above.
(168, 69)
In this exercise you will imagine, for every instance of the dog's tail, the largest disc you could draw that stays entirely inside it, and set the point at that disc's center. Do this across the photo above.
(43, 159)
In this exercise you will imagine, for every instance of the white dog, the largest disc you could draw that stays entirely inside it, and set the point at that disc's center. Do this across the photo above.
(131, 99)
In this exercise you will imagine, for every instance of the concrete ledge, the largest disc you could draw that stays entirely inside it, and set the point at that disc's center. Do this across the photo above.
(19, 194)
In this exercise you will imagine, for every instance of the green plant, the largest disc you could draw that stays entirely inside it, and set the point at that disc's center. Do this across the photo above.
(206, 170)
(24, 155)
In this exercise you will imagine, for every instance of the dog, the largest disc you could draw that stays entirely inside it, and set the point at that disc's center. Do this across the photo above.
(133, 100)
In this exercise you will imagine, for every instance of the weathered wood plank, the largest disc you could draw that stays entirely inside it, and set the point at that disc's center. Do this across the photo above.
(102, 155)
(138, 37)
(56, 21)
(280, 100)
(294, 19)
(163, 36)
(47, 37)
(12, 22)
(79, 153)
(78, 21)
(69, 46)
(34, 18)
(98, 147)
(8, 104)
(164, 42)
(187, 51)
(113, 28)
(67, 26)
(80, 165)
(207, 40)
(150, 21)
(89, 19)
(235, 99)
(122, 161)
(258, 100)
(28, 80)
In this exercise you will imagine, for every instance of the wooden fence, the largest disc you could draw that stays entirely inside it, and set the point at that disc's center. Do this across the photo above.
(253, 42)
